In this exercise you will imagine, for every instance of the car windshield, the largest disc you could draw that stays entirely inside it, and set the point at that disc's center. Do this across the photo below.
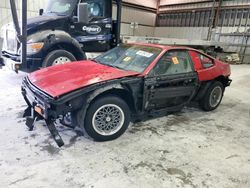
(129, 57)
(60, 7)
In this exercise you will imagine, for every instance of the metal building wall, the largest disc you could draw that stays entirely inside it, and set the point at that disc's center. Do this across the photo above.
(168, 2)
(182, 32)
(33, 7)
(145, 20)
(233, 26)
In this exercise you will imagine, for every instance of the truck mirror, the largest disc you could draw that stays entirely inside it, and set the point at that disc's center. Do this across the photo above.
(41, 12)
(83, 13)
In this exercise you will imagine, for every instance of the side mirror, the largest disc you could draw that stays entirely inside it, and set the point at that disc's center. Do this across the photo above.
(41, 12)
(83, 13)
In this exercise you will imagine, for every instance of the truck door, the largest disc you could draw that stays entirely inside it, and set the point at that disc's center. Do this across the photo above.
(171, 83)
(96, 35)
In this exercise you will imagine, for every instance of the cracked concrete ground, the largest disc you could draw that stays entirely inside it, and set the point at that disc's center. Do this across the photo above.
(189, 149)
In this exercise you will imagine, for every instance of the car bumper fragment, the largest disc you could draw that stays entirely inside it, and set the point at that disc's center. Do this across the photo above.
(229, 82)
(32, 116)
(1, 62)
(38, 110)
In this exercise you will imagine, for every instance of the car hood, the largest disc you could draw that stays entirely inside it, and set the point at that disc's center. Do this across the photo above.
(62, 79)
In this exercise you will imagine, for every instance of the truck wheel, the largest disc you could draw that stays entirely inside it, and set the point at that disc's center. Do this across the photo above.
(213, 97)
(107, 118)
(57, 57)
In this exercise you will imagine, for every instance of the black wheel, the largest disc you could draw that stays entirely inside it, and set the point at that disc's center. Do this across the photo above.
(213, 97)
(107, 118)
(57, 57)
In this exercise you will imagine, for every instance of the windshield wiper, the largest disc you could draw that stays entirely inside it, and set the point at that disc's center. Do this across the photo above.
(110, 65)
(96, 61)
(115, 66)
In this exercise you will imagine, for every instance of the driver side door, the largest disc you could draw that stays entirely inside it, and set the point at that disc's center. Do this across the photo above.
(171, 83)
(96, 35)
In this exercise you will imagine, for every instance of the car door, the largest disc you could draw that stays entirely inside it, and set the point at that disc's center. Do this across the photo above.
(171, 83)
(96, 35)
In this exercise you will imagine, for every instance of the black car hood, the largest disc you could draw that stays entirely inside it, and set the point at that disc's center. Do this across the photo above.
(46, 22)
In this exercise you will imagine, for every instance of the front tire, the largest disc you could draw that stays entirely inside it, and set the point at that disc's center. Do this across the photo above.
(213, 97)
(57, 57)
(107, 118)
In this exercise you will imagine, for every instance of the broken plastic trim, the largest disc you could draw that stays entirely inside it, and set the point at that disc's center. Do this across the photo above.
(1, 63)
(32, 117)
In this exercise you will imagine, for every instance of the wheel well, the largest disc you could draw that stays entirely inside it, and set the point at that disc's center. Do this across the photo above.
(70, 48)
(123, 94)
(223, 80)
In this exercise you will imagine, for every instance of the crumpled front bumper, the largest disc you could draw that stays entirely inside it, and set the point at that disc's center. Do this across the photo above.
(38, 109)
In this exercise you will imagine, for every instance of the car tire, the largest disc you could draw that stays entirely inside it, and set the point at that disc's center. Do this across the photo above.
(107, 118)
(58, 57)
(213, 97)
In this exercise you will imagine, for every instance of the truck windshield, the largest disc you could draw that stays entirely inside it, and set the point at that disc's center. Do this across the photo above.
(60, 7)
(129, 57)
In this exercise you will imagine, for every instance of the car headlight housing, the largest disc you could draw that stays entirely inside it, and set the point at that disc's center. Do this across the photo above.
(33, 48)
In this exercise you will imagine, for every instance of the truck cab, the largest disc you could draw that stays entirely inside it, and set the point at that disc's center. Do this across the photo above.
(62, 33)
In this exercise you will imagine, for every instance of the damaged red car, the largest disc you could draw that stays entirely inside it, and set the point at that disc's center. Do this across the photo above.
(103, 95)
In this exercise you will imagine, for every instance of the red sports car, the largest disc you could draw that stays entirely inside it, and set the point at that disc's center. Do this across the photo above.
(103, 95)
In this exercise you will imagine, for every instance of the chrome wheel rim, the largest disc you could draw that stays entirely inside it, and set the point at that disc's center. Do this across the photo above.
(215, 96)
(108, 119)
(61, 60)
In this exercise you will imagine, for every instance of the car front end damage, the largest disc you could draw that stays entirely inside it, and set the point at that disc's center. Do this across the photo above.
(39, 107)
(42, 106)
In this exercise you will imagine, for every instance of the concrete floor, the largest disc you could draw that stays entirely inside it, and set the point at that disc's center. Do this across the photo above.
(189, 149)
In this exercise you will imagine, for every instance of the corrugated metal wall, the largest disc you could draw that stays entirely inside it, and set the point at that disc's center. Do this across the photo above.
(146, 3)
(171, 2)
(182, 32)
(145, 19)
(233, 23)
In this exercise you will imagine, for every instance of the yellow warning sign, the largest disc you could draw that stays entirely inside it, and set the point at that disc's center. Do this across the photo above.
(127, 59)
(175, 60)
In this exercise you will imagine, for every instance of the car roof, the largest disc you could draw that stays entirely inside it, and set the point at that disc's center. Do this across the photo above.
(163, 47)
(168, 47)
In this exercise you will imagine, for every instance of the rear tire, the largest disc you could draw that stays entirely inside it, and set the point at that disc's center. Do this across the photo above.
(58, 57)
(213, 97)
(107, 118)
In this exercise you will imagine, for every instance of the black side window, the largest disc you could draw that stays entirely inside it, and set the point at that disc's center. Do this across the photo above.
(173, 62)
(205, 61)
(96, 8)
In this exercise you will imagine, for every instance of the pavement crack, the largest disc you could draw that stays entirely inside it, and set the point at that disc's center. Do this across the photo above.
(23, 179)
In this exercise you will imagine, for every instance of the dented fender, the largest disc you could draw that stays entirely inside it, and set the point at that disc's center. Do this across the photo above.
(51, 38)
(81, 114)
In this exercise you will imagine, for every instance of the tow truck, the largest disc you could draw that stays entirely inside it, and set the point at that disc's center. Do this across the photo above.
(63, 32)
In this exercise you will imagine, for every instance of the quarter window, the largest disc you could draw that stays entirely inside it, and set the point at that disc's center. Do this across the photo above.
(173, 62)
(205, 61)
